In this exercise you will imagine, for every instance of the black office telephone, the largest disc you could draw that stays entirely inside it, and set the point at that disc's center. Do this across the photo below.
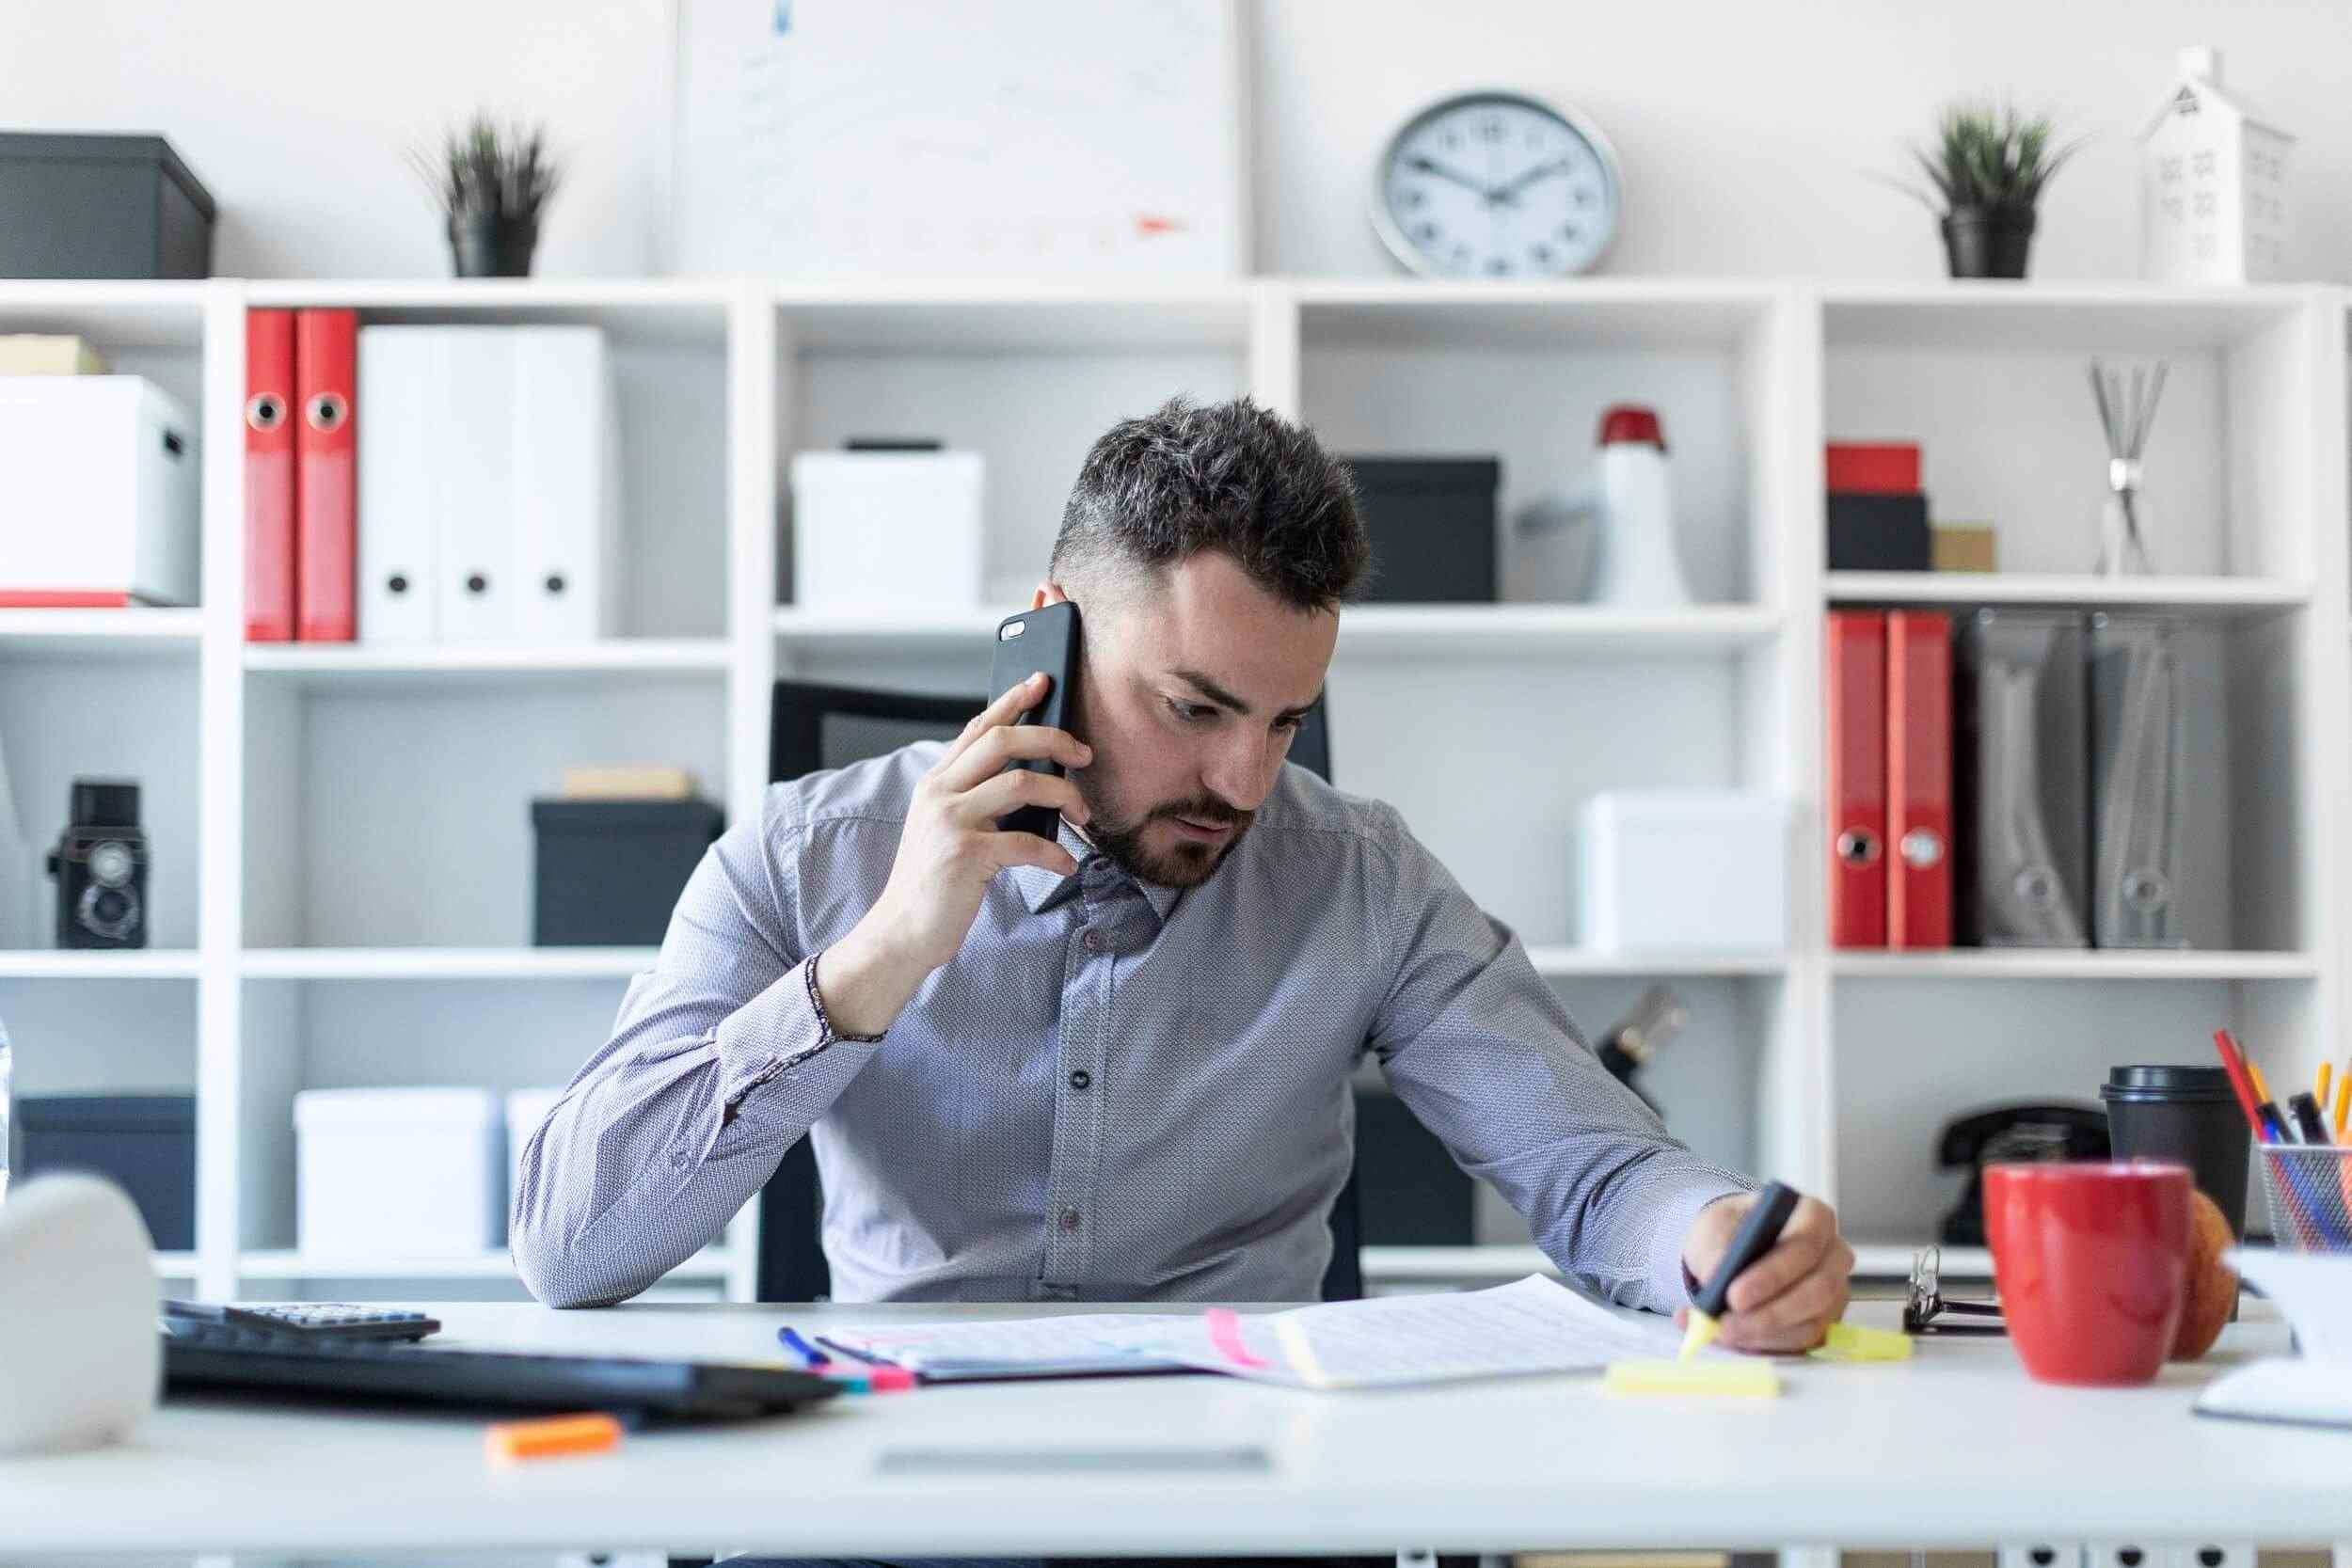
(2047, 1130)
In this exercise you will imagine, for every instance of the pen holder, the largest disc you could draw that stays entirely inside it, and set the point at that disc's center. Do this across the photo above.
(2308, 1188)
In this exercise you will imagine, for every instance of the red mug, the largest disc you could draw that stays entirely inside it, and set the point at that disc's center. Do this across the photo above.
(2092, 1263)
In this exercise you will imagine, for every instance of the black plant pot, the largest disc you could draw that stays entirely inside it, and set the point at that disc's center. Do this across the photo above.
(1987, 244)
(489, 245)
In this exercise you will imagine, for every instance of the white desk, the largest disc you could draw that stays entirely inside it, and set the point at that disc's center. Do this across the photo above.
(1954, 1448)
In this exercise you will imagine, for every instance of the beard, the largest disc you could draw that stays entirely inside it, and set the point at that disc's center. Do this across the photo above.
(1188, 864)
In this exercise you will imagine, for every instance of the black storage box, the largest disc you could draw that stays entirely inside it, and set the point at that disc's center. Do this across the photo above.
(1878, 533)
(1408, 1190)
(609, 872)
(1432, 522)
(146, 1143)
(99, 206)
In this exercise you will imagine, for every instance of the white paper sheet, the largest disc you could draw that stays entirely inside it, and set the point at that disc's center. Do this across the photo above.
(1536, 1326)
(1036, 1345)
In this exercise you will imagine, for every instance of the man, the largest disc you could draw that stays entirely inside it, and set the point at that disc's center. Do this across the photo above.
(1117, 1067)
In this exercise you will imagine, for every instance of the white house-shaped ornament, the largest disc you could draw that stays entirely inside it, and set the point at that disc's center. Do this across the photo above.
(2213, 196)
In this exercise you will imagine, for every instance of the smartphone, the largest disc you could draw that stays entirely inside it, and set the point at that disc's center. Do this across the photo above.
(1038, 639)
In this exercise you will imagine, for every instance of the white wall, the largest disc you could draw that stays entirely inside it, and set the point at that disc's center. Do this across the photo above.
(1752, 132)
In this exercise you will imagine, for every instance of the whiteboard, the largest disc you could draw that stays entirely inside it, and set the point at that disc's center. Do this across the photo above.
(910, 138)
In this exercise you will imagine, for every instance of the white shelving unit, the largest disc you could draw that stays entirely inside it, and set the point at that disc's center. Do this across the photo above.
(294, 790)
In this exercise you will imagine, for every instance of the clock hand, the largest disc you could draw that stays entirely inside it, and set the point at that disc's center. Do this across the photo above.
(1423, 164)
(1541, 171)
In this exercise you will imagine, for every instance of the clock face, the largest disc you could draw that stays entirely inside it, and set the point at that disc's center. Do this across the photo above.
(1492, 185)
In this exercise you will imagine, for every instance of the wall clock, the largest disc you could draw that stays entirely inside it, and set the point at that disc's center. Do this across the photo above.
(1497, 184)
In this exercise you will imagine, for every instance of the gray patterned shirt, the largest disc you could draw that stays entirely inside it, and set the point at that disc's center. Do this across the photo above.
(1114, 1091)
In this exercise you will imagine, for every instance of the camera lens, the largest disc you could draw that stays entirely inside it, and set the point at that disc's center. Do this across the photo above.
(110, 907)
(111, 864)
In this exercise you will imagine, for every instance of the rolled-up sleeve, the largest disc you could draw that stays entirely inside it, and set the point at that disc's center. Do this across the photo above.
(719, 1061)
(1478, 1045)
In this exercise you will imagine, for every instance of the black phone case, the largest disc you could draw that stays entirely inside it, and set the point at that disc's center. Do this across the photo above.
(1038, 639)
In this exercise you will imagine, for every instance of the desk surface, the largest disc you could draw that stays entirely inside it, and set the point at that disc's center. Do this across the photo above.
(1955, 1447)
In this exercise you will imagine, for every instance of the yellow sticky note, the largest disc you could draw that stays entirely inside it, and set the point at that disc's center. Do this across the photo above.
(1853, 1342)
(1722, 1379)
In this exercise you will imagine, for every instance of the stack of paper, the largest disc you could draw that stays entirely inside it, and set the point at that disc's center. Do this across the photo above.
(1536, 1326)
(2314, 1291)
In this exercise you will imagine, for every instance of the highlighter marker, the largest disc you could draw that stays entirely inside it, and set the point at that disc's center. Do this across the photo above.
(1758, 1231)
(508, 1442)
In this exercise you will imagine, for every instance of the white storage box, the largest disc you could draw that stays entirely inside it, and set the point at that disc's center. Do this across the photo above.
(398, 1171)
(1686, 870)
(99, 480)
(886, 529)
(525, 1110)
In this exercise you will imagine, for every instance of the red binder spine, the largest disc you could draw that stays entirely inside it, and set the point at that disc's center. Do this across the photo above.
(1918, 779)
(326, 345)
(1856, 709)
(269, 476)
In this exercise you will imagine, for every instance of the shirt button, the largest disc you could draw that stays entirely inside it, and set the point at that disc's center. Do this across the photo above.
(1080, 1079)
(1069, 1219)
(1093, 940)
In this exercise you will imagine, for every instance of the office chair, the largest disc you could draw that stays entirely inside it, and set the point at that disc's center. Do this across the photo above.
(816, 727)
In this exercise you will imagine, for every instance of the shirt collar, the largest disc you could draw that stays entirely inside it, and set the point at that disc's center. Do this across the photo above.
(1040, 889)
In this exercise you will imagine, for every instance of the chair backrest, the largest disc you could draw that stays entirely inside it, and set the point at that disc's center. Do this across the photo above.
(817, 727)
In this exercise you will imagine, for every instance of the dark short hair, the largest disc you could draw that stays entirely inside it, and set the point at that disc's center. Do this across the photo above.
(1222, 476)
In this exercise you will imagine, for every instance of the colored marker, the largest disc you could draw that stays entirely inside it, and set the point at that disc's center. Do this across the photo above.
(810, 1356)
(1758, 1231)
(509, 1441)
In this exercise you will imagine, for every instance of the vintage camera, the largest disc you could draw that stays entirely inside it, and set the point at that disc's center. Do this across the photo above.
(101, 868)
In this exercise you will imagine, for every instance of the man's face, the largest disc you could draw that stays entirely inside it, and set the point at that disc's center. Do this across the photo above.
(1189, 694)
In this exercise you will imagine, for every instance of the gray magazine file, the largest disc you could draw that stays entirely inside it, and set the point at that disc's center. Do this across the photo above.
(2138, 758)
(2019, 763)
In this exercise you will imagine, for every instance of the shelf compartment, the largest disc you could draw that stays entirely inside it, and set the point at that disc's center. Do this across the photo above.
(1994, 388)
(352, 786)
(1912, 1054)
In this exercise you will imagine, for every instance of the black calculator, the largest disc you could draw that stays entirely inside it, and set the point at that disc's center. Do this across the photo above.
(309, 1321)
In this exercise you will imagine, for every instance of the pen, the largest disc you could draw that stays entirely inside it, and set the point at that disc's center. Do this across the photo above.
(854, 1353)
(2240, 1085)
(2307, 1119)
(810, 1356)
(2344, 1103)
(2274, 1120)
(1758, 1231)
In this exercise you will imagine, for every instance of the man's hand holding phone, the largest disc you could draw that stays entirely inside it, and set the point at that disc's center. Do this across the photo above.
(948, 852)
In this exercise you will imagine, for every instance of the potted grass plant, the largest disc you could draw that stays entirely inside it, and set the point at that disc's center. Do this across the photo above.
(1986, 170)
(492, 183)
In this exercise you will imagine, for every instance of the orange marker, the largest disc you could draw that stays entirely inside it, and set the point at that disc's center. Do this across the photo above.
(594, 1432)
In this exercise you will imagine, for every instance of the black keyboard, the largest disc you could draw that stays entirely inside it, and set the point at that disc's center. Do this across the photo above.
(215, 1358)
